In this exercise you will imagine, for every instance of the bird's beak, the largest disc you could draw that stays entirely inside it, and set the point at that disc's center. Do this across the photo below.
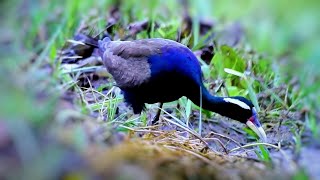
(255, 125)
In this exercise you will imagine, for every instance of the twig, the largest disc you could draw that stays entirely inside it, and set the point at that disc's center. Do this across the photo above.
(256, 144)
(141, 130)
(104, 29)
(75, 42)
(190, 131)
(82, 70)
(71, 57)
(226, 137)
(221, 144)
(192, 153)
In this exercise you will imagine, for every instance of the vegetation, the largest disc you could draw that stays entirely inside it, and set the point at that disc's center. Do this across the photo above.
(62, 117)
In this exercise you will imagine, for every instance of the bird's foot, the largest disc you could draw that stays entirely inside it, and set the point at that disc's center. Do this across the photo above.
(155, 120)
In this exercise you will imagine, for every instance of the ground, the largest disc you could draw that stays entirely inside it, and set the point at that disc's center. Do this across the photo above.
(63, 117)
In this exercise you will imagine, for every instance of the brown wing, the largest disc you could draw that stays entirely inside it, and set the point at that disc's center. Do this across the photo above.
(127, 61)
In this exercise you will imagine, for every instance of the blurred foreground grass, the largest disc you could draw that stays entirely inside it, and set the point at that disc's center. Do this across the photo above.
(285, 33)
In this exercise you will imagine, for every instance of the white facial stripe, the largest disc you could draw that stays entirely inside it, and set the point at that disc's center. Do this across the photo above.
(237, 102)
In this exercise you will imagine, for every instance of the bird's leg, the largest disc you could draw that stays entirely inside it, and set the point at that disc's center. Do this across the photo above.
(156, 118)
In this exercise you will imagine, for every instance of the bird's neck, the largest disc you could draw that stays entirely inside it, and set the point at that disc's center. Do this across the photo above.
(210, 102)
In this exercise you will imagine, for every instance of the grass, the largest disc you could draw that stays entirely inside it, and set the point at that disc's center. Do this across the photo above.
(281, 45)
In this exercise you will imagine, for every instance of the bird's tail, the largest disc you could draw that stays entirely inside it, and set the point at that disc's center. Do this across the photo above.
(89, 41)
(101, 45)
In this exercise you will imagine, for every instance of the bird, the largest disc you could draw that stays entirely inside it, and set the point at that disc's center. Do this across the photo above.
(158, 70)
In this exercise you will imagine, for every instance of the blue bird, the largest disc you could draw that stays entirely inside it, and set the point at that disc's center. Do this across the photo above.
(161, 70)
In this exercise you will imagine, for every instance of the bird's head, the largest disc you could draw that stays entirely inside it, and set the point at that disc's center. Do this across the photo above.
(243, 110)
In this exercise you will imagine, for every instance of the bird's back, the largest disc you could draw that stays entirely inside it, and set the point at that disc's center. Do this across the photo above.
(132, 63)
